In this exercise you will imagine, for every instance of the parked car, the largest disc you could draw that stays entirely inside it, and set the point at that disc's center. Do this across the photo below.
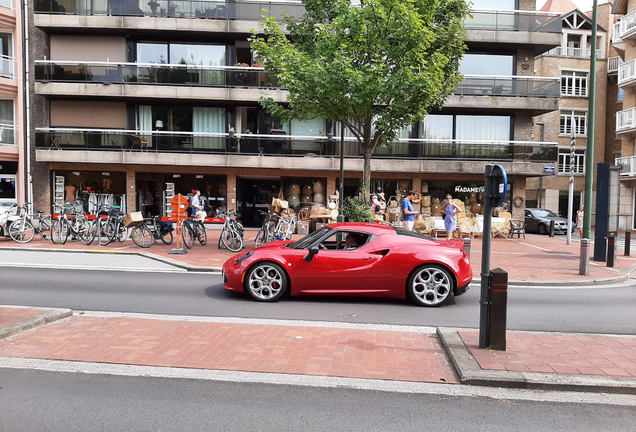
(354, 259)
(538, 220)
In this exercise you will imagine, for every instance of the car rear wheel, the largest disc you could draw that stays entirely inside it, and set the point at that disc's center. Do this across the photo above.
(266, 282)
(542, 229)
(430, 285)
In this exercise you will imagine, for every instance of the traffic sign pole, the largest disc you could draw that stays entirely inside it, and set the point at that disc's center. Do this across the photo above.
(179, 205)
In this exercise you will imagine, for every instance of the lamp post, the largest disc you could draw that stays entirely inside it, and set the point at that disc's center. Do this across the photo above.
(341, 197)
(542, 139)
(589, 155)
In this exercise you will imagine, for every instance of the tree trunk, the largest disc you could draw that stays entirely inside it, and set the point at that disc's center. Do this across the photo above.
(366, 178)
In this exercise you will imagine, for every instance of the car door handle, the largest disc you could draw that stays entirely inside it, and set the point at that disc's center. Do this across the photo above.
(367, 258)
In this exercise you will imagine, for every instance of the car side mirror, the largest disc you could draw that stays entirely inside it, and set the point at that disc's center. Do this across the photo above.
(312, 251)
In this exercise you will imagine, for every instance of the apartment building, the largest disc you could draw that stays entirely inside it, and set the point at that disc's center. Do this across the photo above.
(13, 163)
(624, 42)
(134, 101)
(571, 62)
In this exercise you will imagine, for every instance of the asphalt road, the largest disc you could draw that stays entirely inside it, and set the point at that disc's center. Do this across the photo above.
(49, 401)
(587, 310)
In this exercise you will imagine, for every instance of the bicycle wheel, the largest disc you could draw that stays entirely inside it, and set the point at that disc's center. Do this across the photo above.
(122, 232)
(44, 226)
(107, 233)
(260, 237)
(187, 235)
(22, 231)
(166, 237)
(202, 235)
(92, 232)
(141, 236)
(232, 240)
(221, 245)
(59, 231)
(81, 228)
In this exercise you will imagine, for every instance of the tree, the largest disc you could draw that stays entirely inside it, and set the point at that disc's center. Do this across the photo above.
(377, 67)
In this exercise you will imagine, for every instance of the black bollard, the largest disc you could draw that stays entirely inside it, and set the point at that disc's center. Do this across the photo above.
(467, 245)
(498, 286)
(551, 228)
(628, 242)
(611, 249)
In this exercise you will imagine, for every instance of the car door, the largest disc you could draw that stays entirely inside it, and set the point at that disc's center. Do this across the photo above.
(336, 270)
(531, 222)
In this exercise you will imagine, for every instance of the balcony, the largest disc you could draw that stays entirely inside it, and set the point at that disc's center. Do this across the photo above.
(234, 83)
(515, 29)
(627, 75)
(626, 29)
(520, 93)
(625, 121)
(7, 66)
(7, 135)
(283, 151)
(573, 52)
(627, 166)
(613, 63)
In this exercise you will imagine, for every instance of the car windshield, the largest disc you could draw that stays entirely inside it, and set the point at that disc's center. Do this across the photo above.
(309, 239)
(544, 213)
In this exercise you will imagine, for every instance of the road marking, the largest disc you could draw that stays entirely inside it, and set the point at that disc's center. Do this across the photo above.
(97, 268)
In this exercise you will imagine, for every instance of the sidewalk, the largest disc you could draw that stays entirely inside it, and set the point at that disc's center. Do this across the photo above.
(288, 348)
(534, 360)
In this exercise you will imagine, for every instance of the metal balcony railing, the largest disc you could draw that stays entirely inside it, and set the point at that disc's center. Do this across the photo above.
(616, 29)
(627, 166)
(239, 10)
(625, 120)
(626, 72)
(151, 73)
(626, 26)
(287, 145)
(573, 52)
(514, 20)
(613, 63)
(503, 85)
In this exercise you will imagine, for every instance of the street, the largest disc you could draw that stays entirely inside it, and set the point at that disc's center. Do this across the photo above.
(53, 401)
(601, 309)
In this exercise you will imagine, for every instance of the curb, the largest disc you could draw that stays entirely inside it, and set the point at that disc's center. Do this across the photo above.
(47, 316)
(469, 372)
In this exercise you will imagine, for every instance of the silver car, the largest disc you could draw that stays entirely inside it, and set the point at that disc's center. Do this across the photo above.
(538, 220)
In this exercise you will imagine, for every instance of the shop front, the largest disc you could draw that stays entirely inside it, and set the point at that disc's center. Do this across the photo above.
(95, 189)
(8, 180)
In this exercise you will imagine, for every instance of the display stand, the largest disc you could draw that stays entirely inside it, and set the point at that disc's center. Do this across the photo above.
(179, 205)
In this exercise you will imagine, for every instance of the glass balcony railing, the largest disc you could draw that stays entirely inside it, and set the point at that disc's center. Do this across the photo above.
(147, 73)
(509, 86)
(7, 134)
(287, 145)
(7, 66)
(235, 10)
(514, 20)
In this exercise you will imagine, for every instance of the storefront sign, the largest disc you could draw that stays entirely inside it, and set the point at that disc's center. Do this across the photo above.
(469, 189)
(8, 167)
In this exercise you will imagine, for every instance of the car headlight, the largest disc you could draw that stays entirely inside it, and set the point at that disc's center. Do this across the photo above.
(243, 257)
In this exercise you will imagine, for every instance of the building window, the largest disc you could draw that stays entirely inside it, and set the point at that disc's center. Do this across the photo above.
(578, 164)
(578, 118)
(573, 83)
(619, 97)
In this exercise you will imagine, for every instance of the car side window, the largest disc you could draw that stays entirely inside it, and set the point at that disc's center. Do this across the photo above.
(528, 214)
(344, 240)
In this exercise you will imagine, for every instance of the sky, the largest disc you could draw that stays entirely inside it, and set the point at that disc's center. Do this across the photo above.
(583, 5)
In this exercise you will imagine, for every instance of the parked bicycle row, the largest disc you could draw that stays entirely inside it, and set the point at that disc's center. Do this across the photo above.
(70, 222)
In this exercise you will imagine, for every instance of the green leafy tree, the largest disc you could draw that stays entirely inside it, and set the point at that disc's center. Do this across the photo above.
(377, 67)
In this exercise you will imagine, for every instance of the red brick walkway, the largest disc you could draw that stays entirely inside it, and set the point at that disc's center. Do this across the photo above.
(566, 354)
(11, 315)
(339, 352)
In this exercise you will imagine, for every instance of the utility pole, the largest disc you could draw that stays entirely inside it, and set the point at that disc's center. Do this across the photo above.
(571, 189)
(589, 155)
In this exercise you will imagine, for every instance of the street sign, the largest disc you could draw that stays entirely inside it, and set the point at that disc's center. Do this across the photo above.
(548, 169)
(179, 203)
(499, 185)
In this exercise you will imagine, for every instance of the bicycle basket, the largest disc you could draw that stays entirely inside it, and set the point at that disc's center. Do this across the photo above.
(115, 212)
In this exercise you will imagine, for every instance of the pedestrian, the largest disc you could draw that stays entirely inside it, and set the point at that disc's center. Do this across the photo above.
(196, 204)
(450, 221)
(376, 208)
(579, 220)
(408, 213)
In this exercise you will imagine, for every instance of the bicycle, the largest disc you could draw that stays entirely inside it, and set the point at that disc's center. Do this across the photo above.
(232, 233)
(22, 230)
(198, 231)
(144, 234)
(107, 228)
(275, 227)
(77, 226)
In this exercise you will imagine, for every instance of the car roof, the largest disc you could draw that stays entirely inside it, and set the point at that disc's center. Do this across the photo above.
(369, 227)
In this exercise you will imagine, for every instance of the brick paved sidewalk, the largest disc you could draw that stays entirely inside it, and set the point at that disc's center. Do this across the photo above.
(336, 352)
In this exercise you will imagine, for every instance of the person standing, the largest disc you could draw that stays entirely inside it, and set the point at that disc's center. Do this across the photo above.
(196, 204)
(579, 220)
(450, 221)
(408, 213)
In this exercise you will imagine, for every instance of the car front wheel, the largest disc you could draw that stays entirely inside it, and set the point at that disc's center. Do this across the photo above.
(542, 229)
(266, 282)
(430, 285)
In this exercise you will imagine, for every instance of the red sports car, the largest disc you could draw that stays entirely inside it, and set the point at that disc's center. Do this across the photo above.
(350, 259)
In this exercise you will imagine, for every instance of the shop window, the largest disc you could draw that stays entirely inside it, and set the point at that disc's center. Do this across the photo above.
(7, 188)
